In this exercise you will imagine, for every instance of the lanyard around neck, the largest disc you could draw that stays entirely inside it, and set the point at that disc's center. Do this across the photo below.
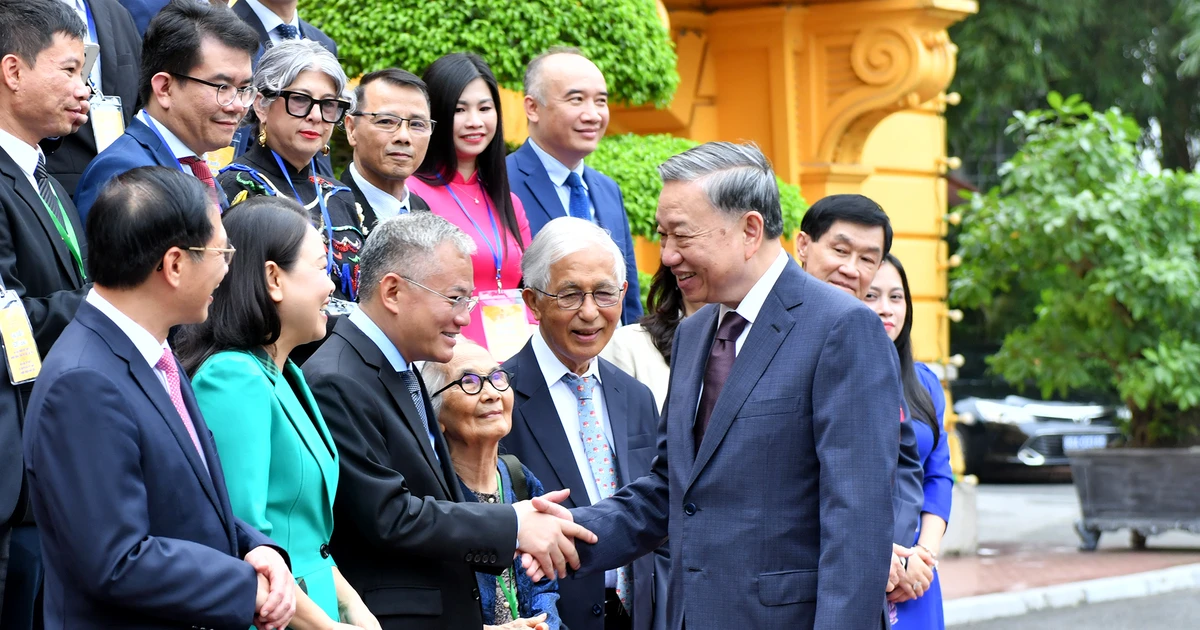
(153, 127)
(320, 202)
(66, 232)
(497, 249)
(510, 592)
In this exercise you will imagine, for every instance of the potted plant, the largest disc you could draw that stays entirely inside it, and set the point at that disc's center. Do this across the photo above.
(1107, 252)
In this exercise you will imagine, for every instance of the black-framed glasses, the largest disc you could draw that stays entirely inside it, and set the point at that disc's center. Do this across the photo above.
(390, 123)
(472, 384)
(299, 104)
(460, 304)
(226, 93)
(226, 252)
(573, 300)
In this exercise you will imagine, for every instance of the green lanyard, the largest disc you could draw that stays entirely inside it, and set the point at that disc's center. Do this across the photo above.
(510, 593)
(66, 232)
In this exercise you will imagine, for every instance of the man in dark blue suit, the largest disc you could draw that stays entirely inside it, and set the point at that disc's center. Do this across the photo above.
(124, 475)
(143, 11)
(778, 448)
(195, 89)
(566, 103)
(568, 261)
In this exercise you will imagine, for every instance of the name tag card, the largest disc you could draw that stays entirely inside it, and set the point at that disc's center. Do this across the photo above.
(108, 120)
(20, 349)
(506, 322)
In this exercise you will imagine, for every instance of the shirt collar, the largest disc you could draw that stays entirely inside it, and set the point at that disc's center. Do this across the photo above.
(757, 296)
(375, 333)
(177, 147)
(25, 155)
(383, 202)
(149, 347)
(268, 18)
(557, 171)
(552, 368)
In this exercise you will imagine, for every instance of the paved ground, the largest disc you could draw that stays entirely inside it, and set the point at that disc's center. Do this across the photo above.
(1026, 540)
(1173, 611)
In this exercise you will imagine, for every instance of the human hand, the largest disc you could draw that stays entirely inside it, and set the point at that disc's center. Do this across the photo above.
(918, 574)
(357, 615)
(536, 623)
(547, 539)
(899, 588)
(277, 611)
(264, 590)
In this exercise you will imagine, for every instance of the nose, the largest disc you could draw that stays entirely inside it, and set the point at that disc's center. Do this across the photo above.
(489, 392)
(590, 112)
(462, 318)
(849, 270)
(668, 255)
(403, 134)
(314, 114)
(589, 310)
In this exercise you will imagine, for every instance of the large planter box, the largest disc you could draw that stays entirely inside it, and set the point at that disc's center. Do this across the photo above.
(1148, 491)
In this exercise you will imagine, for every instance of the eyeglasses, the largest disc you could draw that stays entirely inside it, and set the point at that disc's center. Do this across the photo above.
(226, 94)
(573, 300)
(226, 252)
(389, 123)
(461, 304)
(299, 104)
(472, 384)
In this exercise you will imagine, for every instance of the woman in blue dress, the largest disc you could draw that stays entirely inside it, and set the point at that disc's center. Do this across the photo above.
(888, 296)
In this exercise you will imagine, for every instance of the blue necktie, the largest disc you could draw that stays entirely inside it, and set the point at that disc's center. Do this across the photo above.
(580, 209)
(414, 392)
(287, 31)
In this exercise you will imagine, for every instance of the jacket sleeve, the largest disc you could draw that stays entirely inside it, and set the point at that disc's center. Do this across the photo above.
(908, 494)
(939, 478)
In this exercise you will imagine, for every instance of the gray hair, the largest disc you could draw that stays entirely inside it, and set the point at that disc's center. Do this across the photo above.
(405, 244)
(561, 238)
(534, 85)
(436, 375)
(283, 62)
(735, 177)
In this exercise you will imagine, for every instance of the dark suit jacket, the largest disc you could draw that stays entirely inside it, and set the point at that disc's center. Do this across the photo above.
(530, 182)
(537, 439)
(139, 146)
(137, 533)
(415, 203)
(403, 538)
(783, 518)
(908, 493)
(143, 11)
(120, 62)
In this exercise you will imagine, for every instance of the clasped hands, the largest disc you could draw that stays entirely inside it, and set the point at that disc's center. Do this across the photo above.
(909, 580)
(275, 603)
(546, 536)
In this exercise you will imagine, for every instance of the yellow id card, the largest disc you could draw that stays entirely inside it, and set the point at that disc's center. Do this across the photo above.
(108, 120)
(20, 349)
(506, 323)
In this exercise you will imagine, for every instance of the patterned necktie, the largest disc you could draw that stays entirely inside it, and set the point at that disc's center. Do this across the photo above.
(414, 392)
(168, 366)
(579, 198)
(599, 455)
(287, 31)
(720, 362)
(201, 171)
(45, 190)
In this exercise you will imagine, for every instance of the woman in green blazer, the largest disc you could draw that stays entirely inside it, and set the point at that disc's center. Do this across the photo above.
(280, 462)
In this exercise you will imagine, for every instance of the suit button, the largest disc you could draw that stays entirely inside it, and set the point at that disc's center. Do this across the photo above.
(597, 610)
(689, 508)
(475, 593)
(467, 558)
(324, 551)
(492, 559)
(478, 558)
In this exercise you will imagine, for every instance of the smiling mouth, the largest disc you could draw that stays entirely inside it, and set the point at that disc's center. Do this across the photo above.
(843, 286)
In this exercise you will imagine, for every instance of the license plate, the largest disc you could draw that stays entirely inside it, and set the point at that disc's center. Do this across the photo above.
(1083, 442)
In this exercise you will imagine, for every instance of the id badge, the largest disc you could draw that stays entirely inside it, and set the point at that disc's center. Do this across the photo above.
(108, 120)
(20, 349)
(506, 323)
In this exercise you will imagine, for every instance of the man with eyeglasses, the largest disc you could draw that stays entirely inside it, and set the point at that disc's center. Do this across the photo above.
(390, 133)
(405, 539)
(579, 422)
(195, 89)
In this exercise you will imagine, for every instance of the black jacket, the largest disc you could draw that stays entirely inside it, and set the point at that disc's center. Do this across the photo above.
(370, 219)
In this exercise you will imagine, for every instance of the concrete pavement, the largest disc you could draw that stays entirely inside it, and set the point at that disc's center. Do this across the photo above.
(1179, 610)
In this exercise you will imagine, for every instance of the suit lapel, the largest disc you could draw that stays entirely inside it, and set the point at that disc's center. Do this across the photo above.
(150, 141)
(215, 475)
(538, 182)
(687, 375)
(602, 203)
(302, 413)
(408, 411)
(536, 409)
(29, 194)
(616, 403)
(369, 216)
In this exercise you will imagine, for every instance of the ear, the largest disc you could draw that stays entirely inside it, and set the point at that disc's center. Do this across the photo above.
(171, 266)
(531, 108)
(753, 231)
(274, 281)
(393, 293)
(160, 89)
(260, 108)
(350, 125)
(530, 298)
(10, 68)
(803, 242)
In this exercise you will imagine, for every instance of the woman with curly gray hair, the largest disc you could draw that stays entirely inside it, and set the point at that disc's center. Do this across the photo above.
(302, 96)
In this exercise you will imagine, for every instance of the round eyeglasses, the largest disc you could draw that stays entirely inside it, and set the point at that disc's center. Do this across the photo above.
(472, 383)
(226, 94)
(299, 104)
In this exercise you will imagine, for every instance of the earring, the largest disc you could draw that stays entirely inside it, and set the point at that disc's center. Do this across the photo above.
(325, 150)
(262, 137)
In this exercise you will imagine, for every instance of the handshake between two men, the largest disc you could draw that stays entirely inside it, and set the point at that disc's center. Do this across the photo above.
(546, 535)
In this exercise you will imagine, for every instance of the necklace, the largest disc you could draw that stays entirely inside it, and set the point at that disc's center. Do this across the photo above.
(468, 193)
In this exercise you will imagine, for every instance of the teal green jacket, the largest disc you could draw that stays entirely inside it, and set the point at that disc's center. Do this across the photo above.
(280, 462)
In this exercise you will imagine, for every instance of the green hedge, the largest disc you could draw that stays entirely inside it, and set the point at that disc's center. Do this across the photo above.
(625, 38)
(633, 160)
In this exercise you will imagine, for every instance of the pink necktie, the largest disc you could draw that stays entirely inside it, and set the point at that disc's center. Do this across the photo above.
(167, 364)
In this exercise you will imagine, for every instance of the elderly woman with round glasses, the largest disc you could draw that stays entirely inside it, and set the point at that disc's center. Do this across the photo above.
(301, 97)
(473, 402)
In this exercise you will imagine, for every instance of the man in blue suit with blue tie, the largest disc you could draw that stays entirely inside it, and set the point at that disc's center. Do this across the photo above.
(124, 476)
(778, 441)
(566, 103)
(195, 89)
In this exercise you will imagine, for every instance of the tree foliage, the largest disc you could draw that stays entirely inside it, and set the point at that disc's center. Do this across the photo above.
(625, 38)
(1110, 253)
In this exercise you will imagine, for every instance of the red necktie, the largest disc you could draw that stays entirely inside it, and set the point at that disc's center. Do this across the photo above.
(200, 170)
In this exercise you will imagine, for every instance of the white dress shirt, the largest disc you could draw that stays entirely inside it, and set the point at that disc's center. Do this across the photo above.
(25, 155)
(177, 147)
(270, 20)
(558, 173)
(385, 205)
(755, 298)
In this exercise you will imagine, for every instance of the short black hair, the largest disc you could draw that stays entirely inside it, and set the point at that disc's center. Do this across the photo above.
(391, 76)
(172, 42)
(138, 216)
(854, 209)
(27, 27)
(242, 315)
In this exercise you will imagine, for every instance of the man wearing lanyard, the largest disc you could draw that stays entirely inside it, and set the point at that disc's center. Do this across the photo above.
(195, 88)
(42, 248)
(114, 81)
